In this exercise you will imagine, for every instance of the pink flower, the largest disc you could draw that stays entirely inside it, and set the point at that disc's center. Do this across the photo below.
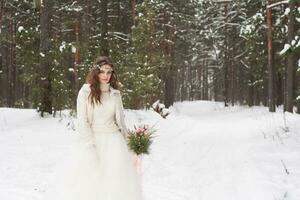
(140, 130)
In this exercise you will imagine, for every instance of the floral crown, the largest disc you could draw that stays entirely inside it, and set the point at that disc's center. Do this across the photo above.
(103, 65)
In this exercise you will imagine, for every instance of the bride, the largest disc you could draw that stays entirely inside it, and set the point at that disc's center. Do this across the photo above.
(103, 168)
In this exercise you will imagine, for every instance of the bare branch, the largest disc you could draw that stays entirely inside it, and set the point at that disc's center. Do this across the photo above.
(277, 4)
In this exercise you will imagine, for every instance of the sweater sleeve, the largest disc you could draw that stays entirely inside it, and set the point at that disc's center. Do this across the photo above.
(85, 132)
(120, 116)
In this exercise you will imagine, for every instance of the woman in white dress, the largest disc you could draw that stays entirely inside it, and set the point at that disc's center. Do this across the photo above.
(104, 168)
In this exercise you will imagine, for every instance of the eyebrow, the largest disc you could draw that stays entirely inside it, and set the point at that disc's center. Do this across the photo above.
(110, 70)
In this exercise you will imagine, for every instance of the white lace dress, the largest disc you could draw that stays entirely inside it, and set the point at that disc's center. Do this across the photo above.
(103, 168)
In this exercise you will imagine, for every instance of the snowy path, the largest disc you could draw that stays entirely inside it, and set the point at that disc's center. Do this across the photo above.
(221, 155)
(202, 152)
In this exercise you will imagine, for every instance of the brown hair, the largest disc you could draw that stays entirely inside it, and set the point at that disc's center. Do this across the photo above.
(93, 79)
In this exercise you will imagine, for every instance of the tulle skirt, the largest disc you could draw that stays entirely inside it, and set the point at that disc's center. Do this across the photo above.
(103, 173)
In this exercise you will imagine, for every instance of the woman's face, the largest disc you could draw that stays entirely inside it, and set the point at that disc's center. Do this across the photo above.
(105, 73)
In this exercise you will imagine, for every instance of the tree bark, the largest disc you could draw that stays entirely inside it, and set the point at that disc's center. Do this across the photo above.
(226, 73)
(86, 25)
(77, 58)
(169, 53)
(12, 62)
(104, 28)
(205, 80)
(232, 78)
(133, 4)
(279, 90)
(199, 75)
(45, 60)
(290, 60)
(251, 91)
(271, 95)
(1, 53)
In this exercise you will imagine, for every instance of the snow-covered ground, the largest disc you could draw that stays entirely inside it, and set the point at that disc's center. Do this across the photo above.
(202, 151)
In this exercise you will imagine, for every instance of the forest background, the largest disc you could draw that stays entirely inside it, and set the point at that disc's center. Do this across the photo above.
(235, 51)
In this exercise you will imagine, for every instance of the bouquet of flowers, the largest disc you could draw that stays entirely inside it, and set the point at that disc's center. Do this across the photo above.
(140, 139)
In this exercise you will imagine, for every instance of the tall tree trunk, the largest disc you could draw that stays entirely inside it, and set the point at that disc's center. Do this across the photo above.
(170, 72)
(251, 91)
(290, 60)
(232, 78)
(298, 98)
(133, 11)
(205, 80)
(1, 53)
(12, 63)
(169, 89)
(5, 68)
(279, 90)
(86, 25)
(104, 28)
(239, 85)
(271, 71)
(45, 60)
(192, 81)
(216, 84)
(202, 78)
(188, 67)
(77, 58)
(226, 73)
(181, 83)
(199, 75)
